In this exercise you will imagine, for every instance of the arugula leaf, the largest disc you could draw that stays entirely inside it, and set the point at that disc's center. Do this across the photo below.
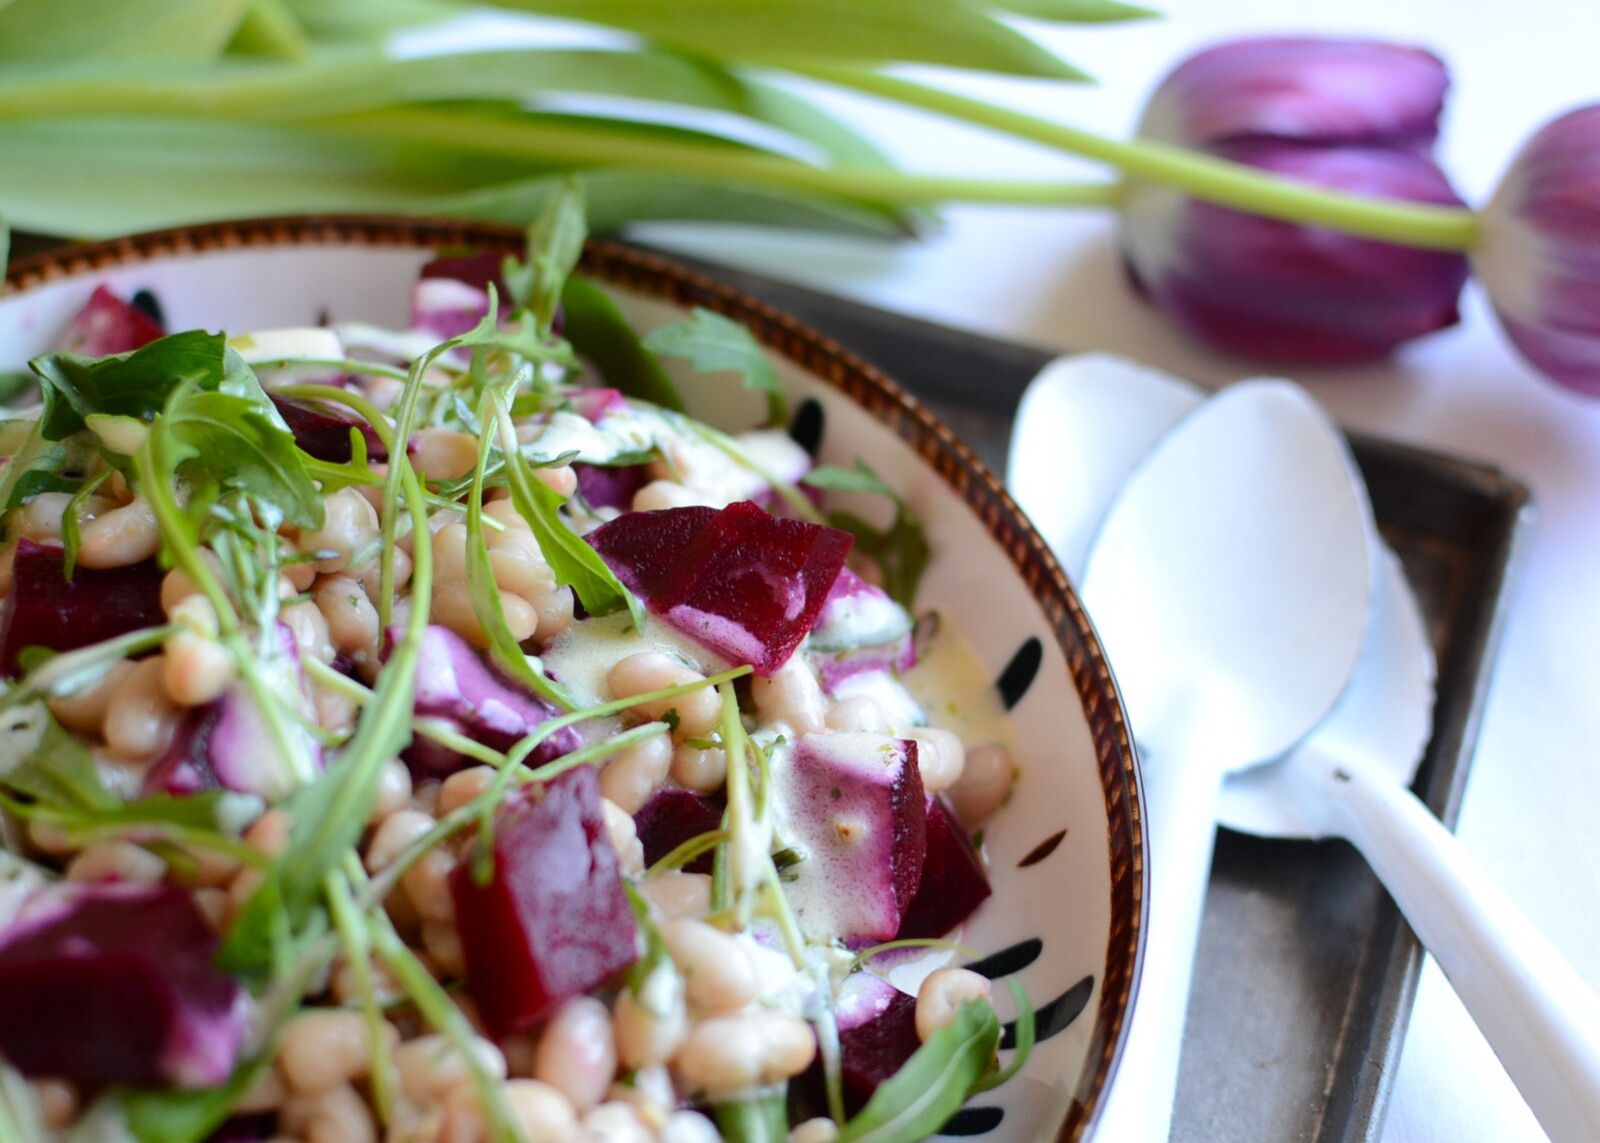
(1026, 1032)
(135, 384)
(756, 1119)
(555, 242)
(43, 762)
(711, 342)
(569, 555)
(901, 550)
(186, 1115)
(933, 1084)
(134, 30)
(601, 335)
(239, 443)
(35, 467)
(1077, 11)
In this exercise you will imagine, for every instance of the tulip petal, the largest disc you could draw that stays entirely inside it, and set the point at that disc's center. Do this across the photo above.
(1327, 91)
(1539, 257)
(1289, 293)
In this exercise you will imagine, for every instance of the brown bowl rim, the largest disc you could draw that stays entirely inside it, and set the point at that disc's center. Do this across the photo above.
(652, 275)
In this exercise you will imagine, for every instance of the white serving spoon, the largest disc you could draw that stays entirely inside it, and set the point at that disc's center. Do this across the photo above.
(1230, 581)
(1380, 727)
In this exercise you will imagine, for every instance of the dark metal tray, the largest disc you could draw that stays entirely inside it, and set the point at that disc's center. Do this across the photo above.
(1306, 971)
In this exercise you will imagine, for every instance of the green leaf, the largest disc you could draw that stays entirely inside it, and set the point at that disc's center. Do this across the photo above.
(554, 245)
(757, 1119)
(944, 32)
(46, 764)
(1077, 11)
(269, 28)
(1026, 1032)
(135, 384)
(711, 343)
(603, 337)
(155, 30)
(901, 550)
(569, 555)
(933, 1084)
(367, 20)
(167, 1115)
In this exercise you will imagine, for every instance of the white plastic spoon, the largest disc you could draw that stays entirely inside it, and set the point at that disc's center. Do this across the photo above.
(1230, 581)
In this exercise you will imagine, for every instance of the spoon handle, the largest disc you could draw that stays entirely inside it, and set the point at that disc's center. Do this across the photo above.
(1537, 1013)
(1180, 804)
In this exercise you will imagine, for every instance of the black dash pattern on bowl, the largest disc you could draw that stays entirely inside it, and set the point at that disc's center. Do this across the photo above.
(149, 305)
(806, 427)
(973, 1121)
(1043, 850)
(1008, 961)
(1019, 674)
(1055, 1017)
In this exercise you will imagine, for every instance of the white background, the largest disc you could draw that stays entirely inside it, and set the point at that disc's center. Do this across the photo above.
(1532, 812)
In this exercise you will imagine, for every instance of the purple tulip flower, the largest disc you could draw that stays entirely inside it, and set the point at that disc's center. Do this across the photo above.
(1539, 255)
(1348, 115)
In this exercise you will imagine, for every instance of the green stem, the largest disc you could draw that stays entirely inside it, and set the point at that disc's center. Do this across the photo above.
(1203, 176)
(586, 147)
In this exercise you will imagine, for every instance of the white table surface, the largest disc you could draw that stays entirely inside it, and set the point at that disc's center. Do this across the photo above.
(1532, 811)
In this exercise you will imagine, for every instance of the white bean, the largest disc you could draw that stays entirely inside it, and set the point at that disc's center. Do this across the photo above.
(577, 1054)
(635, 772)
(718, 973)
(349, 525)
(195, 669)
(140, 718)
(427, 883)
(117, 861)
(543, 1113)
(324, 1047)
(85, 710)
(616, 1123)
(452, 607)
(791, 695)
(699, 711)
(393, 835)
(443, 454)
(442, 943)
(559, 479)
(985, 783)
(430, 1065)
(624, 837)
(337, 1115)
(463, 786)
(819, 1130)
(943, 993)
(351, 619)
(675, 895)
(858, 715)
(394, 790)
(309, 630)
(120, 537)
(649, 1027)
(661, 494)
(450, 554)
(689, 1127)
(727, 1053)
(940, 757)
(701, 770)
(40, 518)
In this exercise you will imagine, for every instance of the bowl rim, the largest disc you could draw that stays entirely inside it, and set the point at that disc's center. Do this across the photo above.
(650, 274)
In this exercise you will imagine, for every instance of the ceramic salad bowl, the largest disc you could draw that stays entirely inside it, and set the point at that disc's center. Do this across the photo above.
(1066, 852)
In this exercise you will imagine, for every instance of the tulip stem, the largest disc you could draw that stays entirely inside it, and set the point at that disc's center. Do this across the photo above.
(1200, 175)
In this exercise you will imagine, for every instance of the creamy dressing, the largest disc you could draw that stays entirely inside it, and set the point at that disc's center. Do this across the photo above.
(582, 656)
(957, 691)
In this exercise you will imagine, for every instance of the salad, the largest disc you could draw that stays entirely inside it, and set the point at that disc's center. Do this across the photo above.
(437, 734)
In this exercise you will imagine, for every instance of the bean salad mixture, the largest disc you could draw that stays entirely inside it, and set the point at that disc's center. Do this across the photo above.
(437, 734)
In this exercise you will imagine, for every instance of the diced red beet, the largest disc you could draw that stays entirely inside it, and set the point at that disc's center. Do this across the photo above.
(108, 325)
(872, 1052)
(553, 922)
(671, 818)
(642, 547)
(858, 816)
(254, 1128)
(454, 683)
(610, 485)
(45, 609)
(953, 883)
(113, 983)
(593, 404)
(859, 629)
(446, 307)
(861, 999)
(323, 431)
(478, 270)
(744, 583)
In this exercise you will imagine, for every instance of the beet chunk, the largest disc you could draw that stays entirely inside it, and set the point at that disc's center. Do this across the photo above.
(743, 582)
(872, 1052)
(324, 432)
(857, 816)
(113, 983)
(454, 683)
(480, 270)
(953, 881)
(610, 485)
(108, 325)
(671, 818)
(45, 609)
(553, 922)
